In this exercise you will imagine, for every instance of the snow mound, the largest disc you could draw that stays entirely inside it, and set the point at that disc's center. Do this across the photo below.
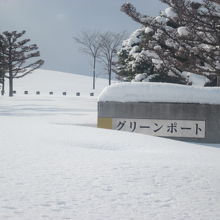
(160, 92)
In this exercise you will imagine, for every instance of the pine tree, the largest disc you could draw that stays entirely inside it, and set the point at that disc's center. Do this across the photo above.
(184, 39)
(16, 55)
(136, 61)
(131, 57)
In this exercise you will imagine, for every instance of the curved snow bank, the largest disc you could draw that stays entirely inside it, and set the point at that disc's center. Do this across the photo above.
(160, 92)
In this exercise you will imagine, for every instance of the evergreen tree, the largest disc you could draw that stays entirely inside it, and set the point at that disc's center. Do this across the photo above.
(131, 59)
(183, 40)
(138, 63)
(16, 55)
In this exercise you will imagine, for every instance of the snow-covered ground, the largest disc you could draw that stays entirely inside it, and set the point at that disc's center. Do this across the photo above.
(47, 81)
(55, 164)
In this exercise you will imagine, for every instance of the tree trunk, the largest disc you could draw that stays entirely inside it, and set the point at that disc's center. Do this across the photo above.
(94, 61)
(218, 80)
(110, 73)
(93, 86)
(3, 87)
(10, 86)
(109, 77)
(10, 73)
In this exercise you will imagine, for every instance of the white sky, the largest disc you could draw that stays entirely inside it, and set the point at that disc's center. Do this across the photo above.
(51, 24)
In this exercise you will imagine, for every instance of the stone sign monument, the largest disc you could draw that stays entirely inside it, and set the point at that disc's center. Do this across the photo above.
(165, 110)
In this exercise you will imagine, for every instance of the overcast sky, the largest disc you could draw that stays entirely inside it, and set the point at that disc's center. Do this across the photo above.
(51, 24)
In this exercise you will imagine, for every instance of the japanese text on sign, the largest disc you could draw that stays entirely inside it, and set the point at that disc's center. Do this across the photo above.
(166, 128)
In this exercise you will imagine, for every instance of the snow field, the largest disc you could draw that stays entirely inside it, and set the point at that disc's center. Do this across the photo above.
(55, 164)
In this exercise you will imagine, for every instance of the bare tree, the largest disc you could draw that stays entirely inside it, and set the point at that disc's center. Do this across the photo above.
(110, 43)
(16, 55)
(90, 45)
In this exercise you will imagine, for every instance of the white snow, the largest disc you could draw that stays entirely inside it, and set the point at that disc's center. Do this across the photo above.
(170, 13)
(148, 30)
(134, 50)
(160, 92)
(183, 31)
(54, 164)
(195, 79)
(157, 47)
(139, 77)
(133, 38)
(160, 19)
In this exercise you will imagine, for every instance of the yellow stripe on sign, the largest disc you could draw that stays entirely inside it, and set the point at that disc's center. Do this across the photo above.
(105, 123)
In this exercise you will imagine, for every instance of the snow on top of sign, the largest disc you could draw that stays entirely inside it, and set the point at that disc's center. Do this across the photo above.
(160, 92)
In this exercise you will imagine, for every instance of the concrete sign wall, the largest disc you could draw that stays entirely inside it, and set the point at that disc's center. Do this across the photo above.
(181, 121)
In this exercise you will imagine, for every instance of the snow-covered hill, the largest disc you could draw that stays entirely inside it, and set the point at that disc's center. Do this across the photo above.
(55, 164)
(47, 81)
